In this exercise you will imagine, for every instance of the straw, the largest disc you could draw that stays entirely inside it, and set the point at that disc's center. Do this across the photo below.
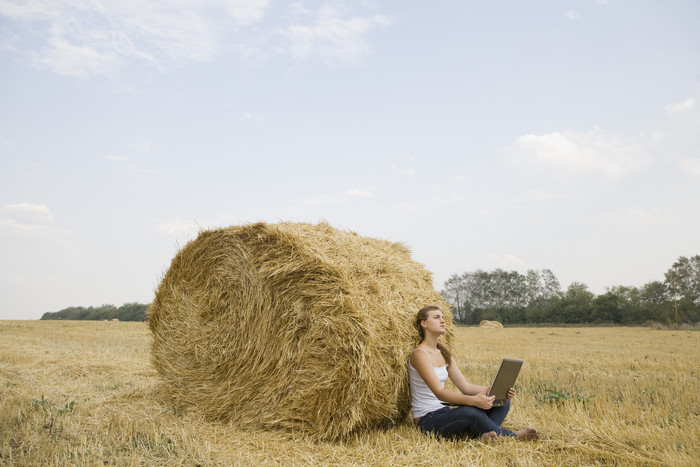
(290, 325)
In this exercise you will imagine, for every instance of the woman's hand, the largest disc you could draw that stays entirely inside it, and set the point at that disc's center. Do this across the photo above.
(511, 393)
(482, 401)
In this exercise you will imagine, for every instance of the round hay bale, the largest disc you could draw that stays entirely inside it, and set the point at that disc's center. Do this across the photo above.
(490, 324)
(293, 326)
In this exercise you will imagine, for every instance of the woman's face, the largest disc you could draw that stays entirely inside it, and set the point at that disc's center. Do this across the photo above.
(435, 322)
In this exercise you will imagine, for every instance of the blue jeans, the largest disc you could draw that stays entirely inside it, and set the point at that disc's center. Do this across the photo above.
(455, 422)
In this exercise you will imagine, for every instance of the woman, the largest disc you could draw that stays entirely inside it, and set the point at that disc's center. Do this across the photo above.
(430, 364)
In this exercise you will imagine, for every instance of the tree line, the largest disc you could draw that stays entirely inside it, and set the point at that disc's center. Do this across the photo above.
(531, 298)
(535, 298)
(126, 312)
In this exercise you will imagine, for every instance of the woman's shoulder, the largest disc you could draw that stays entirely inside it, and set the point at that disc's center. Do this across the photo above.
(423, 354)
(427, 356)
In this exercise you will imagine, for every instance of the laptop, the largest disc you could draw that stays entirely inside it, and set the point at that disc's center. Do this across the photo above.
(504, 380)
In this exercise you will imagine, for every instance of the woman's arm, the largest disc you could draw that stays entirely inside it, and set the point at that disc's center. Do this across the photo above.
(421, 363)
(468, 388)
(461, 382)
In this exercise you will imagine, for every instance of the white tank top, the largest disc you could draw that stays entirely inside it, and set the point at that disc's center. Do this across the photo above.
(423, 401)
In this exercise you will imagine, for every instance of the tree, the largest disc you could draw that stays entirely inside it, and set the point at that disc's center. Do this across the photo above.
(497, 295)
(544, 310)
(550, 283)
(132, 312)
(629, 303)
(535, 297)
(683, 282)
(576, 304)
(654, 304)
(454, 293)
(127, 312)
(606, 308)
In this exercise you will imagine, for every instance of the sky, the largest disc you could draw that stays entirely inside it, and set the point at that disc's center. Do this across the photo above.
(517, 135)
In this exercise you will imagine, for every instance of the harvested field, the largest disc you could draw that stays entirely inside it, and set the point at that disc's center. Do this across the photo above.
(86, 393)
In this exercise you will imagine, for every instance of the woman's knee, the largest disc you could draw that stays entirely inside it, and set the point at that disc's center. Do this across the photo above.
(468, 411)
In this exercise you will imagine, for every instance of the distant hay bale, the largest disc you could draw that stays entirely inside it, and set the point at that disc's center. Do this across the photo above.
(490, 324)
(293, 326)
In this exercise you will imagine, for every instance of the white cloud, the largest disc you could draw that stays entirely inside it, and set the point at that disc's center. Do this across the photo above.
(247, 11)
(680, 106)
(690, 165)
(141, 147)
(8, 39)
(27, 9)
(28, 218)
(80, 61)
(179, 227)
(680, 138)
(176, 227)
(571, 153)
(331, 36)
(122, 88)
(145, 147)
(84, 39)
(135, 169)
(571, 14)
(253, 117)
(27, 211)
(297, 9)
(118, 158)
(406, 168)
(657, 136)
(354, 193)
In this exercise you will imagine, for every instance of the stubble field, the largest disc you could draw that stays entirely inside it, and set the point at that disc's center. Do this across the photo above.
(85, 393)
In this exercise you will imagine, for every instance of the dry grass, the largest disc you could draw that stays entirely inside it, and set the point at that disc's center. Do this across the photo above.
(85, 393)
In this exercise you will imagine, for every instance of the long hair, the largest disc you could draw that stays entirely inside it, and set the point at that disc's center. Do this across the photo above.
(422, 316)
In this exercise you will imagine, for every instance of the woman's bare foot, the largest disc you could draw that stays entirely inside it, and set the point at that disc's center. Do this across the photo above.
(527, 434)
(489, 436)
